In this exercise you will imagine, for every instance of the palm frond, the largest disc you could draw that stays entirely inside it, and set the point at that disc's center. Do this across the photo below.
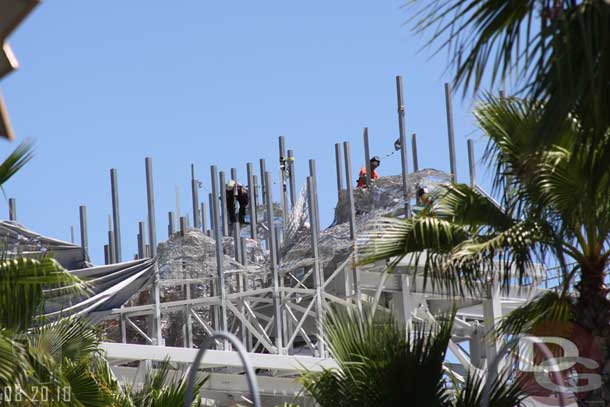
(503, 392)
(22, 285)
(549, 307)
(15, 161)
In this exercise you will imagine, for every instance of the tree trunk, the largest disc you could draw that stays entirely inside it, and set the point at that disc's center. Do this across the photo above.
(592, 311)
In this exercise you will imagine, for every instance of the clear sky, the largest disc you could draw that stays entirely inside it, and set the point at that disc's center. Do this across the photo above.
(103, 84)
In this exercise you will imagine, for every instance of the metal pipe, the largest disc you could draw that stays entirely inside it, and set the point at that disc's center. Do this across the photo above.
(223, 209)
(283, 186)
(312, 174)
(152, 239)
(278, 240)
(234, 174)
(292, 178)
(316, 266)
(195, 197)
(71, 233)
(12, 209)
(471, 164)
(236, 241)
(450, 132)
(274, 268)
(339, 166)
(252, 198)
(84, 239)
(219, 250)
(350, 190)
(142, 240)
(111, 252)
(367, 157)
(183, 225)
(204, 222)
(116, 220)
(263, 168)
(414, 149)
(403, 145)
(212, 217)
(171, 226)
(106, 254)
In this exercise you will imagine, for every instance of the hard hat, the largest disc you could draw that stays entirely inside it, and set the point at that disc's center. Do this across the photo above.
(231, 184)
(376, 158)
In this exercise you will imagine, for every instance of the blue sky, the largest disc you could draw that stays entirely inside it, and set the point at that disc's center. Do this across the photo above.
(103, 84)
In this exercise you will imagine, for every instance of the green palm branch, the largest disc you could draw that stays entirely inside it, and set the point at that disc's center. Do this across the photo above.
(380, 364)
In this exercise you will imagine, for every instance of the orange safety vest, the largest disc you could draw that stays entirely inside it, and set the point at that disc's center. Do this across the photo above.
(362, 177)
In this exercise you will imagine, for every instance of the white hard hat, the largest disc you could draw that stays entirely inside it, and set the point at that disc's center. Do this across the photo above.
(231, 184)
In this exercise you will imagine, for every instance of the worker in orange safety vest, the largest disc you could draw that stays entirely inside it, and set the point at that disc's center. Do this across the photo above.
(375, 162)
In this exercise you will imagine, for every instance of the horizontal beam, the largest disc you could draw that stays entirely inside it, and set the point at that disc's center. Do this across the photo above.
(216, 358)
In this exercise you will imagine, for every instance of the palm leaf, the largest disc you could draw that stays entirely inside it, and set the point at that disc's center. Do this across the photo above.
(15, 161)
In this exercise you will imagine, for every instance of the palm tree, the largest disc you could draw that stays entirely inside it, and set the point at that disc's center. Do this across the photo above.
(556, 51)
(382, 365)
(554, 207)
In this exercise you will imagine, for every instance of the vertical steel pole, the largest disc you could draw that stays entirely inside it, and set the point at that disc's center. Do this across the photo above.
(283, 186)
(367, 157)
(223, 209)
(234, 174)
(471, 164)
(12, 209)
(183, 225)
(171, 226)
(263, 167)
(242, 280)
(316, 267)
(71, 233)
(312, 174)
(106, 254)
(414, 148)
(142, 240)
(111, 246)
(204, 222)
(350, 190)
(292, 178)
(152, 239)
(252, 198)
(212, 216)
(195, 197)
(278, 241)
(116, 220)
(450, 132)
(219, 250)
(403, 145)
(84, 239)
(274, 268)
(339, 166)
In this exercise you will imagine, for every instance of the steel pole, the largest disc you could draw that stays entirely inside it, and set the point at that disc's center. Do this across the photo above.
(403, 145)
(339, 167)
(116, 220)
(171, 226)
(414, 149)
(84, 239)
(71, 233)
(312, 174)
(252, 198)
(12, 209)
(292, 178)
(350, 190)
(274, 268)
(471, 164)
(204, 222)
(212, 216)
(367, 157)
(223, 209)
(283, 186)
(219, 249)
(316, 267)
(152, 239)
(142, 240)
(450, 132)
(183, 225)
(263, 167)
(195, 197)
(111, 252)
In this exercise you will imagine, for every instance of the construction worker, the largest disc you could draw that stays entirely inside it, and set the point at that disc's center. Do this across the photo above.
(375, 161)
(237, 192)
